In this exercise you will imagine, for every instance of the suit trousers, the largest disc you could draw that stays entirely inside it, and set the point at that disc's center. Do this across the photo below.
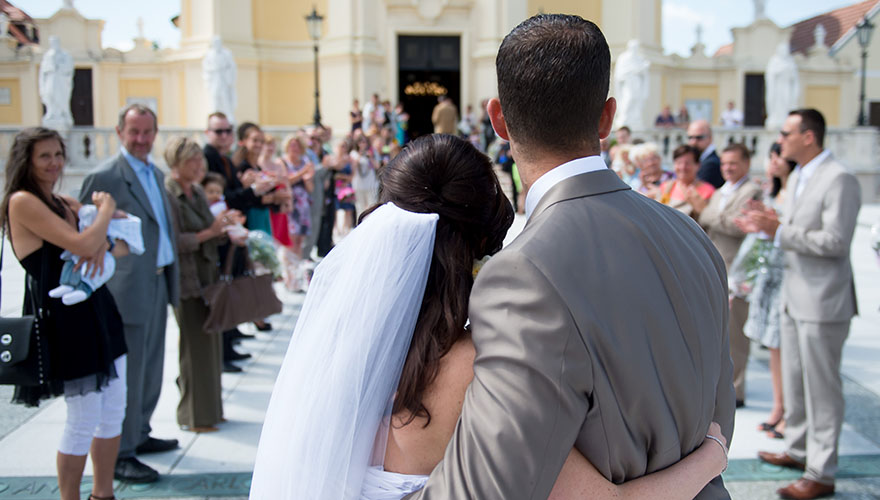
(201, 363)
(146, 357)
(739, 345)
(813, 393)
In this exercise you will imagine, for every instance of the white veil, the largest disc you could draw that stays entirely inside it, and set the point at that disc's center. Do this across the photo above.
(344, 360)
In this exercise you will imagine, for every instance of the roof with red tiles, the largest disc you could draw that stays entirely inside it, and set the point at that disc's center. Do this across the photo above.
(836, 23)
(724, 50)
(17, 17)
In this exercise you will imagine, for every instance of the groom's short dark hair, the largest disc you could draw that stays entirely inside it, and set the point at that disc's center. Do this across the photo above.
(553, 76)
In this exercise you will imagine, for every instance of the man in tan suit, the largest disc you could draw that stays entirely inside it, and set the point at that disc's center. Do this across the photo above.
(716, 216)
(604, 325)
(818, 300)
(445, 116)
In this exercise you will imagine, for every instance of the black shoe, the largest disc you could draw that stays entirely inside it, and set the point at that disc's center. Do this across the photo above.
(238, 335)
(134, 471)
(740, 403)
(234, 355)
(228, 367)
(263, 326)
(156, 445)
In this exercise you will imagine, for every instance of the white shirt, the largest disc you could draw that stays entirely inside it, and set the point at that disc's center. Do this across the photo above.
(706, 152)
(728, 189)
(731, 118)
(804, 174)
(558, 174)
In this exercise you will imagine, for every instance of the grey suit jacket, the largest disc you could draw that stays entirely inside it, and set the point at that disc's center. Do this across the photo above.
(718, 222)
(816, 232)
(116, 177)
(602, 326)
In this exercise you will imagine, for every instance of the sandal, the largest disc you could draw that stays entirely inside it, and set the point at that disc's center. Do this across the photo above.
(767, 426)
(93, 497)
(773, 433)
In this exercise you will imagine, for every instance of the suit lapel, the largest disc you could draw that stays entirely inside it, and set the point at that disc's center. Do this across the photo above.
(135, 187)
(580, 186)
(813, 182)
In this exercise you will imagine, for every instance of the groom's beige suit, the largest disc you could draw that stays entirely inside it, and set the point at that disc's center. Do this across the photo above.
(603, 326)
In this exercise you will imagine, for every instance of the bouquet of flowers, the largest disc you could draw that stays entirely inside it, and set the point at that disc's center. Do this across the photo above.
(749, 261)
(261, 250)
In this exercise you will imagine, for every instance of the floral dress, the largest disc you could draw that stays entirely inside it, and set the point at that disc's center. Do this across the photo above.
(300, 218)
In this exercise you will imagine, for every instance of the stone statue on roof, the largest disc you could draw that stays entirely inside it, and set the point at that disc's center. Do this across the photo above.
(782, 86)
(56, 85)
(760, 9)
(631, 87)
(219, 72)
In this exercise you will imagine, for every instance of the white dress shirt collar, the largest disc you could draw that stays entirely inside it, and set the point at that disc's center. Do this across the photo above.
(807, 171)
(558, 174)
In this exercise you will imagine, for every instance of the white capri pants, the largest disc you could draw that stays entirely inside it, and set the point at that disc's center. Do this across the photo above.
(97, 414)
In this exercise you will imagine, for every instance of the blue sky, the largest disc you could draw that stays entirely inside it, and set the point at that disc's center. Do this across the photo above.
(680, 18)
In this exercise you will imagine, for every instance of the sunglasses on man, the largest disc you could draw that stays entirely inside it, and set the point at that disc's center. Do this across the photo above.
(221, 131)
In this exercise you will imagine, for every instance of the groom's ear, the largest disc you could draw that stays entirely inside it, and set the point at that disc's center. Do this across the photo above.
(497, 118)
(606, 119)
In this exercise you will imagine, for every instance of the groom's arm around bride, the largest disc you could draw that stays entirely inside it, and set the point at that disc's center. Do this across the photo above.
(603, 326)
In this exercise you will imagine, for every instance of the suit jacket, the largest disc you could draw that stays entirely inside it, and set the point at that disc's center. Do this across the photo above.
(116, 177)
(710, 170)
(816, 233)
(602, 326)
(445, 118)
(718, 222)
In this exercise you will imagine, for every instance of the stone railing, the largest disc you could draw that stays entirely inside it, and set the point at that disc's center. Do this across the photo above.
(858, 148)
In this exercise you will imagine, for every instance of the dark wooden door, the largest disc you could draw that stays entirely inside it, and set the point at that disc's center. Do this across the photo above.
(81, 104)
(428, 66)
(874, 114)
(754, 112)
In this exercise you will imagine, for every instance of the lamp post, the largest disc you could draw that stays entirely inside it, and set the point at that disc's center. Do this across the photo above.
(313, 20)
(863, 30)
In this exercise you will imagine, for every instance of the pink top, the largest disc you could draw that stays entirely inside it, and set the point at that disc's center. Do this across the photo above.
(678, 191)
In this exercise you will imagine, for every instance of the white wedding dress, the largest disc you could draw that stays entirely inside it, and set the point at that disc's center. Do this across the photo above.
(325, 430)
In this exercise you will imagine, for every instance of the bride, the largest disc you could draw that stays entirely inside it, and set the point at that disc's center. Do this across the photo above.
(373, 381)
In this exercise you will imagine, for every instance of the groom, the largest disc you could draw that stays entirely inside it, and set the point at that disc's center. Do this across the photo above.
(603, 326)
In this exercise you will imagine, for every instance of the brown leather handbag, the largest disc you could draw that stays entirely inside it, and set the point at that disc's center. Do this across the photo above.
(233, 301)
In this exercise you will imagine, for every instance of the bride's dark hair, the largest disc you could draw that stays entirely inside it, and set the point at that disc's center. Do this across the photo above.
(447, 176)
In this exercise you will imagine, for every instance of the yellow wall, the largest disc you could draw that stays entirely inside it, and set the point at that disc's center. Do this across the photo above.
(10, 114)
(692, 91)
(284, 20)
(142, 87)
(588, 9)
(826, 99)
(286, 97)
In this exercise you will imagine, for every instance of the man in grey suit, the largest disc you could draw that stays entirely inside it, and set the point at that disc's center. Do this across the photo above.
(818, 300)
(717, 217)
(603, 326)
(143, 285)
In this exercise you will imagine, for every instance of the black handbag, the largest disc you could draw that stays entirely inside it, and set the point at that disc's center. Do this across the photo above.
(23, 351)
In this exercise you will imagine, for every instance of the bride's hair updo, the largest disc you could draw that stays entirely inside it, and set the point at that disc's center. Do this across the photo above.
(445, 175)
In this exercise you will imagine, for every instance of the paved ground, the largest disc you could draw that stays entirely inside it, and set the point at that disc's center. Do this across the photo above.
(218, 465)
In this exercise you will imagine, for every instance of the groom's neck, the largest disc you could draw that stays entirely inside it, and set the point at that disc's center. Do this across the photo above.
(532, 163)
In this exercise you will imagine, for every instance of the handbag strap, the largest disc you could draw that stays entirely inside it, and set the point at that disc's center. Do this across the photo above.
(44, 262)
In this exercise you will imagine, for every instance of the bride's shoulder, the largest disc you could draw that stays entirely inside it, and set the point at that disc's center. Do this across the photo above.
(460, 358)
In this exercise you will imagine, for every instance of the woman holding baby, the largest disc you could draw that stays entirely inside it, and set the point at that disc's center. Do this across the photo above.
(85, 341)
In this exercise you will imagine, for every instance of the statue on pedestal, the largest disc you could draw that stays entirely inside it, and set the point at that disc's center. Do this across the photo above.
(56, 84)
(760, 9)
(782, 86)
(631, 87)
(219, 72)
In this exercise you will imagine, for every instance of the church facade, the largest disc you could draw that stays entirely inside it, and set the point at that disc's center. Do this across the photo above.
(410, 51)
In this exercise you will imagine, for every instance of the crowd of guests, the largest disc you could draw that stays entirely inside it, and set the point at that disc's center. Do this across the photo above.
(307, 193)
(786, 247)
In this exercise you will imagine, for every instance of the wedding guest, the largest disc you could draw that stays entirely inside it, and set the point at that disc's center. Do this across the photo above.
(246, 160)
(699, 135)
(199, 233)
(355, 115)
(678, 192)
(717, 216)
(623, 164)
(765, 309)
(86, 345)
(137, 186)
(818, 300)
(651, 174)
(300, 172)
(665, 118)
(365, 162)
(683, 118)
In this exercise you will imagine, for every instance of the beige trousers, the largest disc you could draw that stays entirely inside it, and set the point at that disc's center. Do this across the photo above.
(739, 345)
(813, 393)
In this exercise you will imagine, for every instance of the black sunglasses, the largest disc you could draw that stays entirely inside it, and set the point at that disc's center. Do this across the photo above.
(696, 137)
(221, 131)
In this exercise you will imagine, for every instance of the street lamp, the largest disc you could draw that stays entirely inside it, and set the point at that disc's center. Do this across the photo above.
(863, 31)
(313, 21)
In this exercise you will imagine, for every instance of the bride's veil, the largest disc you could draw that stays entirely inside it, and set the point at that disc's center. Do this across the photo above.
(344, 360)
